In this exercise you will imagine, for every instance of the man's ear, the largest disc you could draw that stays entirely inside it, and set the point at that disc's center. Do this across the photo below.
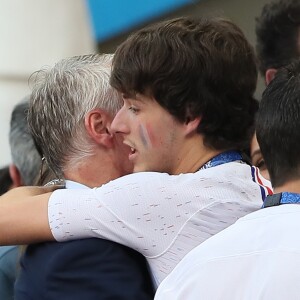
(96, 124)
(15, 176)
(270, 74)
(191, 125)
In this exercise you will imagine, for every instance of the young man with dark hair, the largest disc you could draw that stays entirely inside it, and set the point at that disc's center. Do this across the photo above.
(259, 256)
(277, 44)
(277, 127)
(188, 111)
(193, 70)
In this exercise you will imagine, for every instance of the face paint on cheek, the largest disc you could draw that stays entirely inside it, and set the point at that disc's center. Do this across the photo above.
(144, 135)
(152, 137)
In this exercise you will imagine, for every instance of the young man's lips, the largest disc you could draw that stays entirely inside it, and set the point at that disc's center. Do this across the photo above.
(132, 150)
(132, 153)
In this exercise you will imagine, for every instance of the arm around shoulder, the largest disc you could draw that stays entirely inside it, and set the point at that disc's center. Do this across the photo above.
(24, 216)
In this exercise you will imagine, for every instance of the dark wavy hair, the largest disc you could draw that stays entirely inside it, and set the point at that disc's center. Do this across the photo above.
(277, 34)
(194, 68)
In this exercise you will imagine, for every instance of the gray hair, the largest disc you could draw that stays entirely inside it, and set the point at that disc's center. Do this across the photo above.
(60, 100)
(23, 151)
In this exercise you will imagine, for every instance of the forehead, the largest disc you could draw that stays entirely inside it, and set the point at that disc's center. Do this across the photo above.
(254, 143)
(254, 147)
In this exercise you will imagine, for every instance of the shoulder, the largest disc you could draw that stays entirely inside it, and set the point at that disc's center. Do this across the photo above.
(85, 253)
(99, 265)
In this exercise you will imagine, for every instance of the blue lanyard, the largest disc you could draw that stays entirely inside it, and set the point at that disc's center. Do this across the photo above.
(222, 158)
(282, 198)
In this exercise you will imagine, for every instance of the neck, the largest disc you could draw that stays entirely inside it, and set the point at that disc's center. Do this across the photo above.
(93, 171)
(292, 186)
(194, 155)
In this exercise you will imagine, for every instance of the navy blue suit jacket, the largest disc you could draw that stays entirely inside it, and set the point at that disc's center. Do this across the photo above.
(87, 269)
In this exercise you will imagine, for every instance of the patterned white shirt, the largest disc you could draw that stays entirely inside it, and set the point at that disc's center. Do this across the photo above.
(162, 216)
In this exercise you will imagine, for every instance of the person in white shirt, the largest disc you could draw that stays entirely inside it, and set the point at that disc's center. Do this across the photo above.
(188, 114)
(259, 256)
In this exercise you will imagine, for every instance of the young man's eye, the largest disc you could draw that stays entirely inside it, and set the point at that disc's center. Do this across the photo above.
(133, 109)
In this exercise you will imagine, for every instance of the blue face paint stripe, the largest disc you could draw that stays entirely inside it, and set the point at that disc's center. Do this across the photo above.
(143, 136)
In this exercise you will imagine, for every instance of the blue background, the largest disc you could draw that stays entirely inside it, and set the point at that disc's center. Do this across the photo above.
(113, 17)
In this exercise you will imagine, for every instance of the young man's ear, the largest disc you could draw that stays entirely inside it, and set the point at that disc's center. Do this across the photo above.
(96, 124)
(192, 125)
(15, 176)
(270, 74)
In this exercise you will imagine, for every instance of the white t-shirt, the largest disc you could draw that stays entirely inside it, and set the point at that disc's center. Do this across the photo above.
(256, 258)
(161, 216)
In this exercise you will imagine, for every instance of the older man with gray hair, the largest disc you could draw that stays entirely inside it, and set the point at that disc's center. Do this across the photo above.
(72, 107)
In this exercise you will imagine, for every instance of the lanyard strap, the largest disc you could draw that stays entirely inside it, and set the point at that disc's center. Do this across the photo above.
(282, 198)
(223, 158)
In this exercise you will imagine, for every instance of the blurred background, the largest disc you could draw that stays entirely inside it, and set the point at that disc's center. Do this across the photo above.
(38, 33)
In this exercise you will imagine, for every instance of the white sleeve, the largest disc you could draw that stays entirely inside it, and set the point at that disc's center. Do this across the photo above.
(149, 211)
(136, 210)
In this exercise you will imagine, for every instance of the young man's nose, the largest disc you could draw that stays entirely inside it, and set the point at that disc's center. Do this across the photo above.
(119, 124)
